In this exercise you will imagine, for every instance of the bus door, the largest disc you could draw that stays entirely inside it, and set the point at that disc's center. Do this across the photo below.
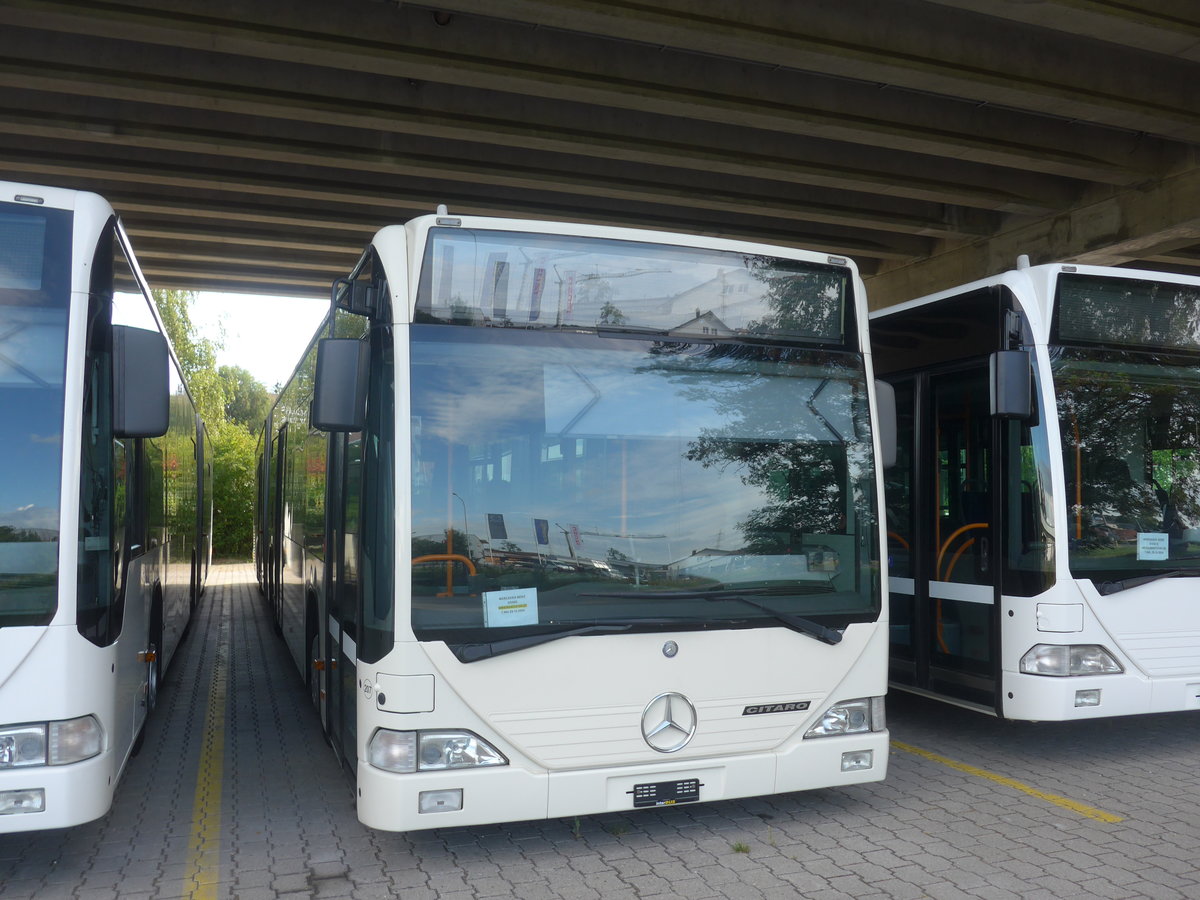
(942, 506)
(340, 625)
(941, 537)
(958, 581)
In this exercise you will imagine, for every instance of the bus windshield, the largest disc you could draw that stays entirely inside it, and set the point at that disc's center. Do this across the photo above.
(567, 479)
(1131, 452)
(33, 337)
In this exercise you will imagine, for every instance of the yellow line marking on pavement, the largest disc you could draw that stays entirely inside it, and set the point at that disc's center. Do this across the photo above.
(203, 872)
(1082, 808)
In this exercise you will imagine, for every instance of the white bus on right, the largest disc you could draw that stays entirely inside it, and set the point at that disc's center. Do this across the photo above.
(1044, 512)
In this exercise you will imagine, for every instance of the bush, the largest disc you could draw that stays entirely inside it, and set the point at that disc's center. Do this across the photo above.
(234, 459)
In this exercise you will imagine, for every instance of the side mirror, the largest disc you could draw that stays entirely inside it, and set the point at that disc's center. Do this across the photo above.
(354, 295)
(1011, 383)
(141, 383)
(340, 391)
(885, 407)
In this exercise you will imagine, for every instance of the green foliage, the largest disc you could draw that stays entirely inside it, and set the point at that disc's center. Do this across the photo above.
(208, 392)
(195, 353)
(233, 490)
(246, 400)
(197, 356)
(10, 535)
(233, 406)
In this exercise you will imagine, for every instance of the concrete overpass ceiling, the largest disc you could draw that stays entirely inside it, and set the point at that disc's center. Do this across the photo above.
(256, 147)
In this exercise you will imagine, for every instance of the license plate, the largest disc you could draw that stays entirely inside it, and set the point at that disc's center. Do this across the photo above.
(666, 793)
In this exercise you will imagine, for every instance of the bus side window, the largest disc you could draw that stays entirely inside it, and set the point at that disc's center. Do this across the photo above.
(103, 485)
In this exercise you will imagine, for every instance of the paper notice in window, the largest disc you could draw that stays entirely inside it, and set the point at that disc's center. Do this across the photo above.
(504, 609)
(1151, 546)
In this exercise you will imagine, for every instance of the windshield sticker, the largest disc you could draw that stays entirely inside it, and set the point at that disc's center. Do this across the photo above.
(505, 609)
(1151, 546)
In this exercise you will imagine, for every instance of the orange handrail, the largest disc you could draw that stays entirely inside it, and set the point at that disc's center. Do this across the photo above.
(949, 570)
(946, 546)
(954, 559)
(447, 557)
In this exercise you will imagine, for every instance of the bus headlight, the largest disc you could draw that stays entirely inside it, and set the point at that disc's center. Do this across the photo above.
(51, 743)
(1069, 659)
(74, 740)
(457, 750)
(850, 717)
(410, 751)
(22, 745)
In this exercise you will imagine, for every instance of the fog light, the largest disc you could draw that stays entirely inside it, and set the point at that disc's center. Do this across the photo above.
(15, 802)
(439, 801)
(1087, 698)
(857, 760)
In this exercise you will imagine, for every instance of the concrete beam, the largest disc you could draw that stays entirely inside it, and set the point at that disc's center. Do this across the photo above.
(1168, 27)
(397, 204)
(499, 56)
(230, 150)
(949, 51)
(1117, 229)
(566, 131)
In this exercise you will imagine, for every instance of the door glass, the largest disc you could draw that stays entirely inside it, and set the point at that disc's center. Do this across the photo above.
(898, 487)
(346, 602)
(962, 528)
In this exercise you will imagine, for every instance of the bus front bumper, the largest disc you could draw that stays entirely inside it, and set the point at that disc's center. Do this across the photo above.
(1041, 698)
(41, 797)
(392, 802)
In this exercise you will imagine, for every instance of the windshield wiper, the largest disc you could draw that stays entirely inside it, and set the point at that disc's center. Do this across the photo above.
(796, 623)
(1112, 587)
(469, 653)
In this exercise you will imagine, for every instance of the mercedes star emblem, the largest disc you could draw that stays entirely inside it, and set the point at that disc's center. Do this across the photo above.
(669, 722)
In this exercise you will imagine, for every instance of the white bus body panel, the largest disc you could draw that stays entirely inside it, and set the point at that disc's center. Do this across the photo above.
(52, 673)
(1153, 630)
(62, 676)
(567, 715)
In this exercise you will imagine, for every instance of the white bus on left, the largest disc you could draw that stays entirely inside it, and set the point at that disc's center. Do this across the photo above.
(105, 506)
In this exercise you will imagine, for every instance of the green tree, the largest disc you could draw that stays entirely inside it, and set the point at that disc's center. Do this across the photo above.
(234, 449)
(197, 356)
(233, 406)
(194, 352)
(246, 400)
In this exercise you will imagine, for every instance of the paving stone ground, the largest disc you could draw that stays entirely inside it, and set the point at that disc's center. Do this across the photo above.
(283, 825)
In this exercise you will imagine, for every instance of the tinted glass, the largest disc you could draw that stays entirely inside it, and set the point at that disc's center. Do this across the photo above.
(1130, 427)
(585, 478)
(562, 281)
(34, 293)
(1129, 312)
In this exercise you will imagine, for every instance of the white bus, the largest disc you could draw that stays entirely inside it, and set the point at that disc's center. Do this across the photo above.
(583, 519)
(1044, 517)
(105, 509)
